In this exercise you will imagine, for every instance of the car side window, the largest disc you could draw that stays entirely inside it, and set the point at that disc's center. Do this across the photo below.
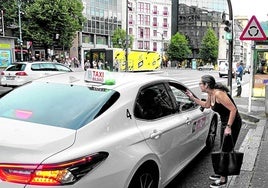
(62, 68)
(153, 102)
(183, 102)
(43, 67)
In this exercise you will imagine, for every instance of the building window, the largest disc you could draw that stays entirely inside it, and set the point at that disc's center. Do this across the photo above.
(140, 7)
(155, 33)
(147, 8)
(165, 11)
(154, 21)
(147, 33)
(141, 19)
(147, 20)
(140, 44)
(165, 33)
(165, 22)
(147, 45)
(155, 10)
(130, 31)
(154, 46)
(140, 32)
(130, 19)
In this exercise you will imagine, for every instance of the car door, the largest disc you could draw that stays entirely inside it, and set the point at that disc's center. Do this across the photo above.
(197, 119)
(166, 133)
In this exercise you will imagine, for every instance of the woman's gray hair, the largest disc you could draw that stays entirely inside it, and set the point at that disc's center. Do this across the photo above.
(212, 84)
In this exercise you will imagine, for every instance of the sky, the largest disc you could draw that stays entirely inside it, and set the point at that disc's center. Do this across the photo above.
(249, 8)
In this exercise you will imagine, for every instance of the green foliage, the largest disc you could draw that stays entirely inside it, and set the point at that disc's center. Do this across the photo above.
(47, 18)
(178, 48)
(119, 39)
(43, 19)
(10, 9)
(209, 47)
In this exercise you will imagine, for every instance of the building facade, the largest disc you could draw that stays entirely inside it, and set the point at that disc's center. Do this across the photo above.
(149, 23)
(103, 17)
(194, 17)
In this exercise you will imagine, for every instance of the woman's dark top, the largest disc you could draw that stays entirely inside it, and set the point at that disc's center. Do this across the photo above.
(224, 112)
(236, 126)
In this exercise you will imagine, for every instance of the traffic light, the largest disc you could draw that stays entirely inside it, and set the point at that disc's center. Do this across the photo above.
(228, 26)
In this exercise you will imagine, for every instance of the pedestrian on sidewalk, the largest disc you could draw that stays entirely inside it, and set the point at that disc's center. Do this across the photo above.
(239, 74)
(220, 101)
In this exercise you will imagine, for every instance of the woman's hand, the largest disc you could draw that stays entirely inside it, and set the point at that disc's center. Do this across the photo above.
(227, 131)
(189, 94)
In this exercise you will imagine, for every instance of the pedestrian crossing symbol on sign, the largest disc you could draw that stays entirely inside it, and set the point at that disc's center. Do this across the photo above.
(253, 30)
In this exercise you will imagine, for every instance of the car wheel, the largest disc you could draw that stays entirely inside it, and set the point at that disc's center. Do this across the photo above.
(212, 133)
(145, 177)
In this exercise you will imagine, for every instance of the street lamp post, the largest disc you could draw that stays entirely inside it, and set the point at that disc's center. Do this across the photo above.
(126, 53)
(162, 50)
(21, 50)
(230, 76)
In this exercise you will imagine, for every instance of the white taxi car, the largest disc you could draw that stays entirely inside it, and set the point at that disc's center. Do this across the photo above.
(23, 72)
(100, 129)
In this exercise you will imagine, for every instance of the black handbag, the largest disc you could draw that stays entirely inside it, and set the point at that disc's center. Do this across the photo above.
(227, 163)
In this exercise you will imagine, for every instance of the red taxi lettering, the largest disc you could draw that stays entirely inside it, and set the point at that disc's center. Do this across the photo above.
(199, 124)
(98, 76)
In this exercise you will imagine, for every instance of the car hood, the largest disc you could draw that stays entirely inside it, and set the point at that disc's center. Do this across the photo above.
(24, 142)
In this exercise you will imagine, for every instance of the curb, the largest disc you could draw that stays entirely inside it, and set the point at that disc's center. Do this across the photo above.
(250, 147)
(249, 117)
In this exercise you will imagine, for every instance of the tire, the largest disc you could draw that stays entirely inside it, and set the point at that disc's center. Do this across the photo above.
(212, 133)
(144, 178)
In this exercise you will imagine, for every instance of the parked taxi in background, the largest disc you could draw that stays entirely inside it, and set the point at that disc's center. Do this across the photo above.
(100, 129)
(20, 73)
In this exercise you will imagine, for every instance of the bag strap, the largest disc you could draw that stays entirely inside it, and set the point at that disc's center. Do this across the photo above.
(224, 136)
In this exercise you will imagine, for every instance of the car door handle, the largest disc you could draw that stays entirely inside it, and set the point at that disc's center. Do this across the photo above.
(156, 134)
(188, 121)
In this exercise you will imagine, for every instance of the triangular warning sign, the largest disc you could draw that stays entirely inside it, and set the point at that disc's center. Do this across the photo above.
(253, 31)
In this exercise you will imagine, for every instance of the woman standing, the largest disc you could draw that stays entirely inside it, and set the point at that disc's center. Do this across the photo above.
(221, 102)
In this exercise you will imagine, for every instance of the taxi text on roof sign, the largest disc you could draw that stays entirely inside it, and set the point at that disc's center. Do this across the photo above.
(99, 76)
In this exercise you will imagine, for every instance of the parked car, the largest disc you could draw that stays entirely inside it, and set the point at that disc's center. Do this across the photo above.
(206, 67)
(100, 129)
(224, 68)
(23, 72)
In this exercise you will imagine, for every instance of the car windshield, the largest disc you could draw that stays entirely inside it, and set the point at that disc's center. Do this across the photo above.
(57, 105)
(16, 67)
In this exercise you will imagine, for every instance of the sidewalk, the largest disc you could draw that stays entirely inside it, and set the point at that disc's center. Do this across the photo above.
(254, 170)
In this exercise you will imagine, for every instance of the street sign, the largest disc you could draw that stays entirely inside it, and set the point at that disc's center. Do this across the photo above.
(253, 31)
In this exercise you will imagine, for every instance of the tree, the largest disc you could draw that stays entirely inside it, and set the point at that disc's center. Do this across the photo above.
(53, 22)
(10, 13)
(119, 39)
(45, 22)
(178, 48)
(209, 47)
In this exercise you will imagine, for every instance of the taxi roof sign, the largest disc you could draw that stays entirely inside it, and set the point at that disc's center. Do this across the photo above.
(99, 76)
(253, 31)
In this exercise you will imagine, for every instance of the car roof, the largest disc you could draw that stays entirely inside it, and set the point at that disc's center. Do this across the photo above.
(120, 78)
(34, 62)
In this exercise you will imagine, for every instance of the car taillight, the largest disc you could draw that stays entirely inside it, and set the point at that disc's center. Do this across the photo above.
(21, 74)
(2, 73)
(67, 172)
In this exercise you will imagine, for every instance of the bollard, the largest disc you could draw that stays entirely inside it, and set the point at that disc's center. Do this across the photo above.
(266, 99)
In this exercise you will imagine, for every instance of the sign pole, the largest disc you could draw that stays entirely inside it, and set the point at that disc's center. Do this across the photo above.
(251, 77)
